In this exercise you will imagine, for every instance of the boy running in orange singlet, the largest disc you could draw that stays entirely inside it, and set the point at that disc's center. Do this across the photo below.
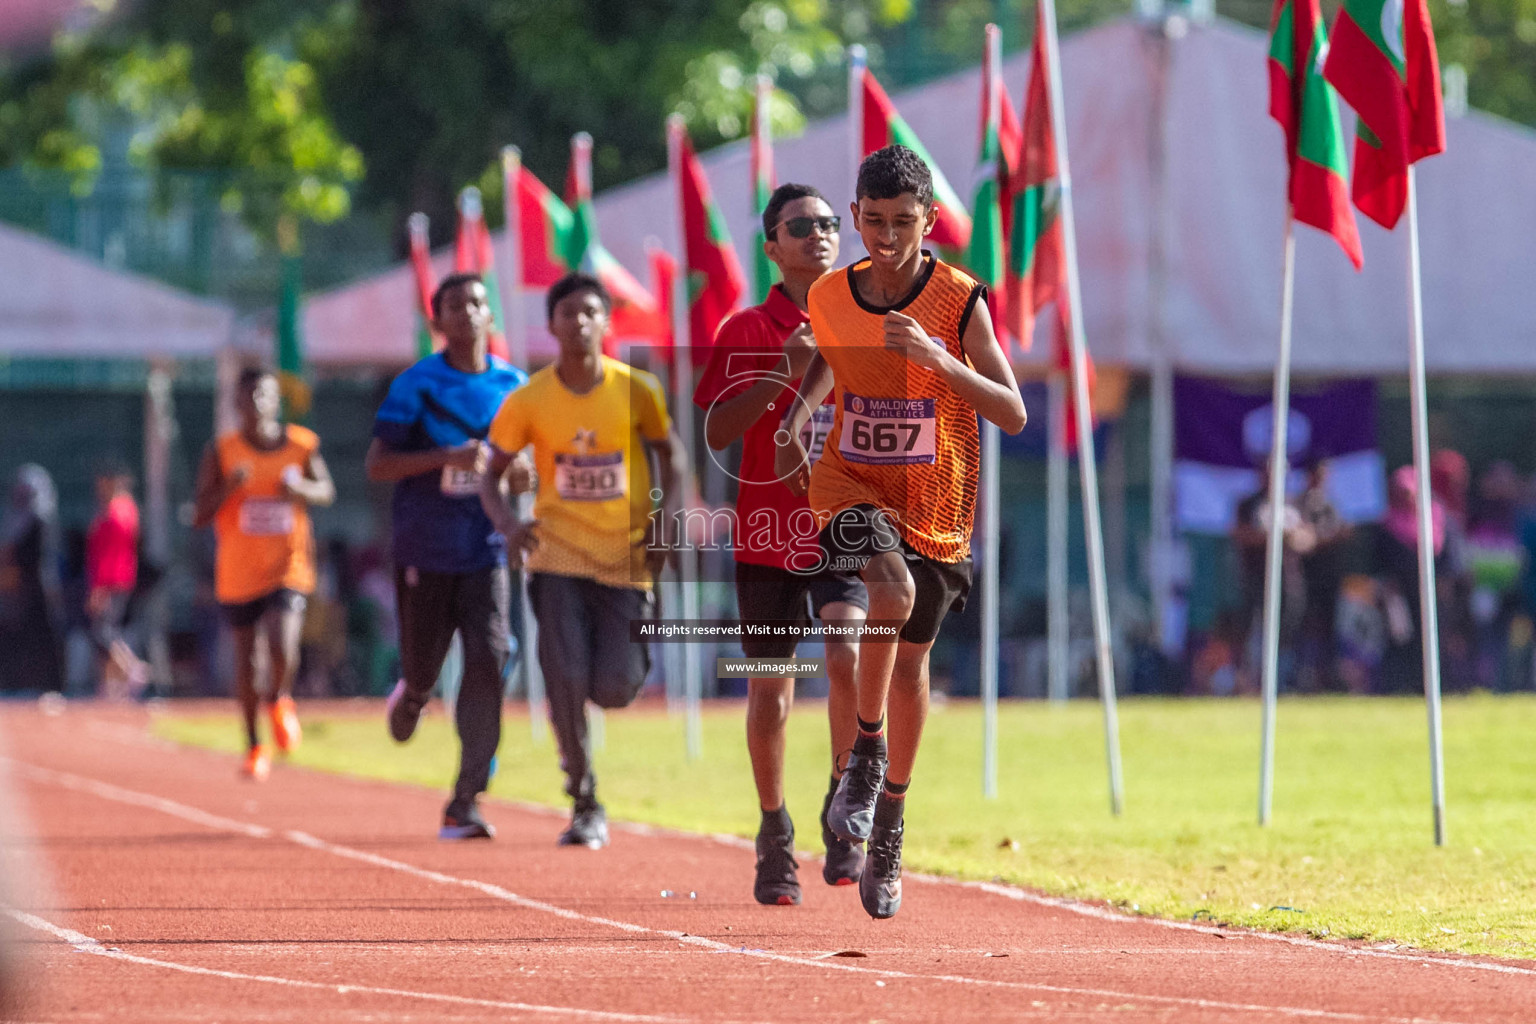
(906, 343)
(758, 357)
(255, 485)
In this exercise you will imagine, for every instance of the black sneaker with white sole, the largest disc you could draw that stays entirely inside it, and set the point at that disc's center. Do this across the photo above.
(776, 885)
(845, 860)
(588, 827)
(880, 884)
(852, 813)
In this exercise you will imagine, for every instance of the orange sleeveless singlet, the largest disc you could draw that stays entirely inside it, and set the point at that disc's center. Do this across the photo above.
(265, 542)
(901, 439)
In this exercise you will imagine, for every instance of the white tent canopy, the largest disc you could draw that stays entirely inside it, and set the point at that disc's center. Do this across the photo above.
(56, 303)
(1176, 165)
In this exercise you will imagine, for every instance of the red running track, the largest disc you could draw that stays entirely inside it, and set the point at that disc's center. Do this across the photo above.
(177, 892)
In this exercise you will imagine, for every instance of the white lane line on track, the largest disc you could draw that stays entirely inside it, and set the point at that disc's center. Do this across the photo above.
(189, 813)
(86, 944)
(126, 734)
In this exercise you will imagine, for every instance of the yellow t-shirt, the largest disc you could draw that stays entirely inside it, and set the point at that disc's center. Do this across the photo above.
(594, 498)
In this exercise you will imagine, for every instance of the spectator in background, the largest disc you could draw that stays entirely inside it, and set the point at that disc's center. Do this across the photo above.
(111, 570)
(1397, 561)
(1523, 632)
(1450, 481)
(1493, 560)
(31, 606)
(1251, 537)
(1322, 575)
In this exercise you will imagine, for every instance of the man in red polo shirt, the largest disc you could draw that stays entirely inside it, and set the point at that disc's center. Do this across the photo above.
(756, 363)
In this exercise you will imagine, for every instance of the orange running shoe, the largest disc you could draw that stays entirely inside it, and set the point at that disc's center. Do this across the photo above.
(258, 764)
(285, 725)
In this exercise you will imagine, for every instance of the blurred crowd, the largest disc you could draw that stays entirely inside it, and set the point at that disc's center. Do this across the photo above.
(1351, 609)
(77, 607)
(75, 603)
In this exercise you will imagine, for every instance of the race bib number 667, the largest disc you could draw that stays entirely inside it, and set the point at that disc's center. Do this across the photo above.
(887, 431)
(596, 477)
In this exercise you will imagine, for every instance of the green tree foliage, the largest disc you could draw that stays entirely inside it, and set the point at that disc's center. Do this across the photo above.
(316, 107)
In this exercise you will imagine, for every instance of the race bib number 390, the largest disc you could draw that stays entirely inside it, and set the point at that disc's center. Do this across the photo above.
(596, 477)
(887, 431)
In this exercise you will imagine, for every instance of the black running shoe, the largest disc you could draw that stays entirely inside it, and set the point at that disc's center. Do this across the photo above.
(465, 823)
(852, 813)
(589, 828)
(403, 709)
(845, 860)
(776, 884)
(880, 884)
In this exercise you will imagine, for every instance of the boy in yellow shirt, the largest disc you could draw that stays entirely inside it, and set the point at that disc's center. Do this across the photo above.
(594, 424)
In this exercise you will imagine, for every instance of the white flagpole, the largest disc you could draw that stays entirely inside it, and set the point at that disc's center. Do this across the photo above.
(991, 510)
(1086, 461)
(517, 348)
(1279, 469)
(693, 727)
(856, 63)
(1058, 595)
(1428, 614)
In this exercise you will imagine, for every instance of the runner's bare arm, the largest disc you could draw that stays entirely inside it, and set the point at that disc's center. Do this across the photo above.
(670, 458)
(990, 387)
(791, 462)
(386, 465)
(315, 486)
(213, 487)
(729, 419)
(494, 491)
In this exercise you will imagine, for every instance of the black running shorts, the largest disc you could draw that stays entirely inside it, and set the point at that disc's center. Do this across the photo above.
(247, 613)
(857, 534)
(770, 595)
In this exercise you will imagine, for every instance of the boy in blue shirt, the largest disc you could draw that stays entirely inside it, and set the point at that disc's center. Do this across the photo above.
(450, 565)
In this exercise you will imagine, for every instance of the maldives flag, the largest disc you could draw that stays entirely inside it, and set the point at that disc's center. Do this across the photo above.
(715, 281)
(1010, 150)
(473, 253)
(426, 283)
(883, 126)
(1303, 102)
(1036, 263)
(635, 314)
(764, 273)
(544, 225)
(663, 286)
(985, 257)
(1381, 58)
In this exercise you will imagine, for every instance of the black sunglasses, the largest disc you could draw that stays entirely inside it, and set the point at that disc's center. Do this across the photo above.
(800, 227)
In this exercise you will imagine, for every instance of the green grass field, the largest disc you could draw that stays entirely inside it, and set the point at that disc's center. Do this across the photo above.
(1349, 852)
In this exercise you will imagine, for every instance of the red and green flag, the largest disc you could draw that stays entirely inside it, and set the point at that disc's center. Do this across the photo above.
(715, 280)
(474, 254)
(764, 273)
(634, 309)
(663, 285)
(1010, 150)
(985, 257)
(1037, 264)
(883, 126)
(426, 283)
(1304, 104)
(291, 376)
(544, 227)
(1381, 58)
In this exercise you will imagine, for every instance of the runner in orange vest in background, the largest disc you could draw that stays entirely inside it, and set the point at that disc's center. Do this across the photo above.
(255, 486)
